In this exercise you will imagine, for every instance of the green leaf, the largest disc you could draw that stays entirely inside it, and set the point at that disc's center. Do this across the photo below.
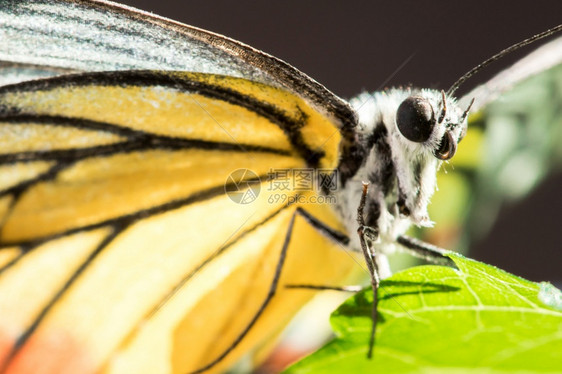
(442, 320)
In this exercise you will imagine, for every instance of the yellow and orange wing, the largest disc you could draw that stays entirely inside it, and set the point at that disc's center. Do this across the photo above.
(123, 246)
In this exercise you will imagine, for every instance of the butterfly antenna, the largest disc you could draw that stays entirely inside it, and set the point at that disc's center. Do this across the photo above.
(501, 54)
(443, 107)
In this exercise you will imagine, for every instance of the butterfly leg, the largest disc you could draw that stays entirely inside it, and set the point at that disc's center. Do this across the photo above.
(367, 236)
(425, 251)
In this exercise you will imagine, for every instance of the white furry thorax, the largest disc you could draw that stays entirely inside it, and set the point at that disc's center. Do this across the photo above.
(414, 165)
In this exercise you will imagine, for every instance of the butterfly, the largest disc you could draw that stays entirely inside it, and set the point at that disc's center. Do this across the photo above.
(161, 187)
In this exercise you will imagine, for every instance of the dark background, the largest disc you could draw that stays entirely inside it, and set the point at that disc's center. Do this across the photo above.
(358, 45)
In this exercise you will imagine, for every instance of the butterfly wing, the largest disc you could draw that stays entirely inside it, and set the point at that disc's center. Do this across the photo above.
(47, 38)
(114, 197)
(122, 249)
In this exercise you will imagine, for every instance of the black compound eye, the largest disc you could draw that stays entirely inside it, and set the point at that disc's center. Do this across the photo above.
(415, 119)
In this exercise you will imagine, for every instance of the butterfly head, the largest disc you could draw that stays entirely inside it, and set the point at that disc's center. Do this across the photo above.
(433, 123)
(426, 130)
(407, 134)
